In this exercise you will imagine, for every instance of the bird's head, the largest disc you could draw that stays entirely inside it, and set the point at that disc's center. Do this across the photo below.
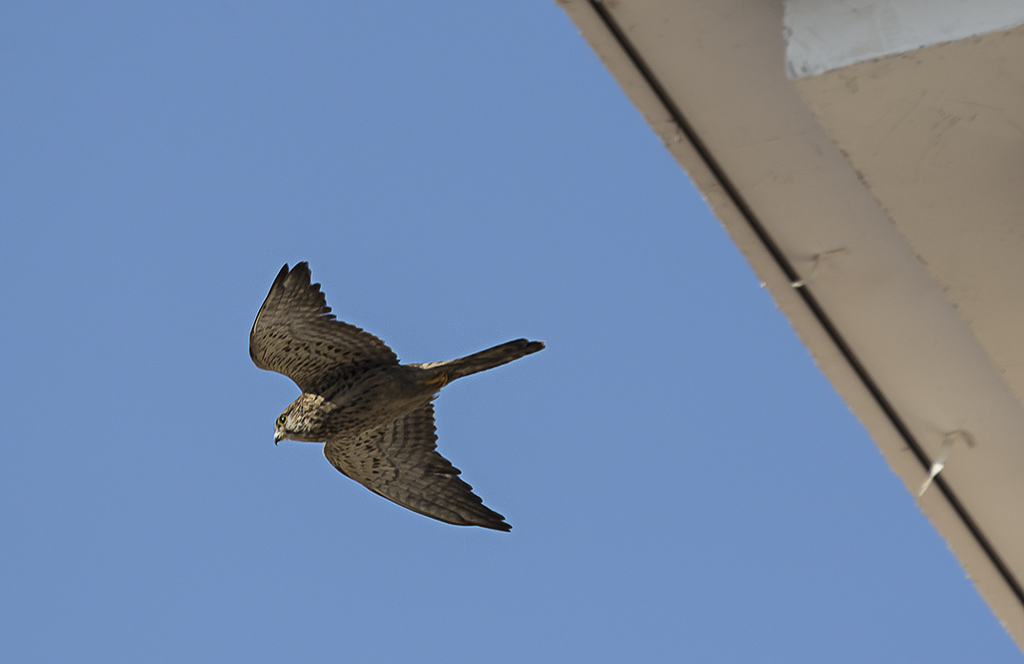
(300, 421)
(281, 426)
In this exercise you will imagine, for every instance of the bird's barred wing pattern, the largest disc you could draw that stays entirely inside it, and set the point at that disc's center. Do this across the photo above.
(296, 334)
(400, 462)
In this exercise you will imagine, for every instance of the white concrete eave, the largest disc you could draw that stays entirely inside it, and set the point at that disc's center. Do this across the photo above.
(786, 172)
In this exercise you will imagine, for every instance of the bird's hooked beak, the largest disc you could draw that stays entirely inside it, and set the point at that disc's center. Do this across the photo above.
(278, 437)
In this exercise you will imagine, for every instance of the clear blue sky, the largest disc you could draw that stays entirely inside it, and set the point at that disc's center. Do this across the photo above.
(683, 483)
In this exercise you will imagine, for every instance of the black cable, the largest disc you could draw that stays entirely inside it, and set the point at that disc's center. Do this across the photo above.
(755, 225)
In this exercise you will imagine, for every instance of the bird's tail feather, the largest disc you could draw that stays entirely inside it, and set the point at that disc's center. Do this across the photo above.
(485, 359)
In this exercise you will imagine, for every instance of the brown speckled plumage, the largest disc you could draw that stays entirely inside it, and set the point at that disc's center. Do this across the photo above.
(374, 414)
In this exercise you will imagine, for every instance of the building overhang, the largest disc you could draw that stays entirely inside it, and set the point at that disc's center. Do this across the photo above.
(881, 201)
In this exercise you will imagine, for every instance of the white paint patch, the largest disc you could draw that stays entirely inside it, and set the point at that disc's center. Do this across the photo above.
(828, 34)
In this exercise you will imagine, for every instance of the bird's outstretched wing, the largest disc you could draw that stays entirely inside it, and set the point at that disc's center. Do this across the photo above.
(400, 462)
(296, 334)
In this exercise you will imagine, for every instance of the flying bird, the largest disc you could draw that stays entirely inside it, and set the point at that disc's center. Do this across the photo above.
(374, 415)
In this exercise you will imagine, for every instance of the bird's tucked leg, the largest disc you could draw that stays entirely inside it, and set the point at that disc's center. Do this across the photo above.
(438, 381)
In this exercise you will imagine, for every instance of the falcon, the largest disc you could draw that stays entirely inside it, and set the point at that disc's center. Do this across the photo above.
(374, 415)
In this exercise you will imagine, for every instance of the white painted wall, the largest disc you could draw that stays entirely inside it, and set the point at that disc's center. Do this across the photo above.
(828, 34)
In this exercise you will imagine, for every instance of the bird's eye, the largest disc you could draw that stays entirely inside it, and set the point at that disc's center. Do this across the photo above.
(281, 420)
